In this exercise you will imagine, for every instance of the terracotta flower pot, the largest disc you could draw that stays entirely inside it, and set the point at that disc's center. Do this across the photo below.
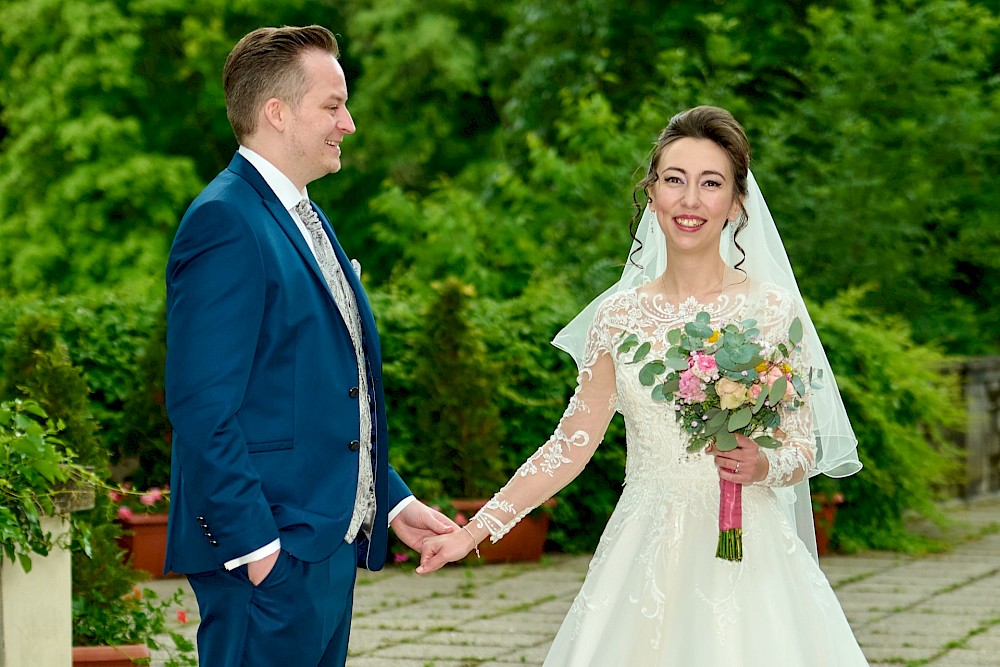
(110, 656)
(145, 542)
(824, 517)
(524, 542)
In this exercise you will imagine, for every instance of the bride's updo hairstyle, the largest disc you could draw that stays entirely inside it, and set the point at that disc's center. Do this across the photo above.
(704, 122)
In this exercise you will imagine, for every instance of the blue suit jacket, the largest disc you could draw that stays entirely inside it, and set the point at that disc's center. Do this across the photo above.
(261, 387)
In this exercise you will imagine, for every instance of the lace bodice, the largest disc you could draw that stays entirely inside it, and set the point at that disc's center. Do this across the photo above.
(656, 447)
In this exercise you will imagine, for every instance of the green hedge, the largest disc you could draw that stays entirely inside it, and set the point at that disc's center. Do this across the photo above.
(900, 403)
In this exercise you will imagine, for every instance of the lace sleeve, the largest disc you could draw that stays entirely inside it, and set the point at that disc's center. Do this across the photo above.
(557, 462)
(792, 462)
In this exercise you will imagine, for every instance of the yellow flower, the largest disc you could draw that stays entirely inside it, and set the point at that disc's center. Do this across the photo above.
(761, 367)
(786, 368)
(714, 337)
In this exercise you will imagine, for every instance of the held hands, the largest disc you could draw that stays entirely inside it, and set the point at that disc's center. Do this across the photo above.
(744, 465)
(418, 522)
(444, 549)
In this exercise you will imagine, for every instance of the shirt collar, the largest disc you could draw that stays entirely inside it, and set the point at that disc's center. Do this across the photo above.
(282, 186)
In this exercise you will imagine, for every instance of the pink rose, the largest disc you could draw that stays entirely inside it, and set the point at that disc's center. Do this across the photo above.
(704, 366)
(691, 389)
(773, 374)
(115, 496)
(461, 519)
(754, 392)
(125, 514)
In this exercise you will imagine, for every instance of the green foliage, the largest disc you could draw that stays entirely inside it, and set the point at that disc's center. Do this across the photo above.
(37, 364)
(902, 403)
(36, 469)
(109, 606)
(455, 419)
(885, 170)
(114, 340)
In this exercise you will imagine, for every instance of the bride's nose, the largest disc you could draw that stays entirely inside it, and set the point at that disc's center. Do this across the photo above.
(691, 195)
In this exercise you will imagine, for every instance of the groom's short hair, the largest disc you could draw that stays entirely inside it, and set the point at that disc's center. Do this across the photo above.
(267, 63)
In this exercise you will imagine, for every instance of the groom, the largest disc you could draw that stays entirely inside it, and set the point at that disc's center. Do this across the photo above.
(280, 479)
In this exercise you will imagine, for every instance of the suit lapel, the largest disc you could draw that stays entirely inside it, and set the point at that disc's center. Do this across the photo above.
(364, 309)
(242, 167)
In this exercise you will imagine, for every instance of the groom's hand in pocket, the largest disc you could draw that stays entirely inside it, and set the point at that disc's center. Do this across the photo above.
(258, 570)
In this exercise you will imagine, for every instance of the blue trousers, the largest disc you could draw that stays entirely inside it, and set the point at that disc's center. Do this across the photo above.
(299, 615)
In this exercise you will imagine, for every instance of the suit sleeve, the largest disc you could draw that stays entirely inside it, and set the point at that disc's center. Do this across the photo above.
(215, 309)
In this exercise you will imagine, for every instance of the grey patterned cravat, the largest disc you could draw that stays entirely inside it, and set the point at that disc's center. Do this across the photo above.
(364, 503)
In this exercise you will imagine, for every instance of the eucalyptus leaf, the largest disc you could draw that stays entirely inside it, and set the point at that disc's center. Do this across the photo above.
(778, 389)
(767, 442)
(703, 318)
(724, 360)
(649, 373)
(641, 353)
(800, 387)
(628, 343)
(739, 419)
(674, 336)
(718, 418)
(658, 394)
(725, 441)
(698, 330)
(671, 384)
(795, 331)
(676, 364)
(759, 403)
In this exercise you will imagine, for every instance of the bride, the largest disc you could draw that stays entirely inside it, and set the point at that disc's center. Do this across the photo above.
(655, 593)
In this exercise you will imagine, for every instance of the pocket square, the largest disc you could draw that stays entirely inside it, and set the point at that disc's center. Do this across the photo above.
(356, 265)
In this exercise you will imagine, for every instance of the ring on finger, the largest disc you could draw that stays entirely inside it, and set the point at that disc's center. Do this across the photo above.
(737, 467)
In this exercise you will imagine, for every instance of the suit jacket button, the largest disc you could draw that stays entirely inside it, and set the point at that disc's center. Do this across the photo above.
(209, 535)
(354, 445)
(214, 543)
(353, 393)
(200, 519)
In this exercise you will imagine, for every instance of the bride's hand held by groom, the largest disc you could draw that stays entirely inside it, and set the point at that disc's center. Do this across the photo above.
(443, 549)
(417, 523)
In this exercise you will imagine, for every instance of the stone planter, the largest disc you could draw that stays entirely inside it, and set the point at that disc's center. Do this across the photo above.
(145, 542)
(110, 656)
(35, 627)
(524, 542)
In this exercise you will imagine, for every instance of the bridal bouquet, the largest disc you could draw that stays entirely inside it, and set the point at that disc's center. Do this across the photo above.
(722, 382)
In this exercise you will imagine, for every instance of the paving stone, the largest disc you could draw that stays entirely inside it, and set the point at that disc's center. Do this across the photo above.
(903, 608)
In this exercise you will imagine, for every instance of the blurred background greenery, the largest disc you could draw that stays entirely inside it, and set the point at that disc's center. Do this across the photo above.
(488, 192)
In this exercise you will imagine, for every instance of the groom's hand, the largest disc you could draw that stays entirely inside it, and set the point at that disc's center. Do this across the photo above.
(417, 522)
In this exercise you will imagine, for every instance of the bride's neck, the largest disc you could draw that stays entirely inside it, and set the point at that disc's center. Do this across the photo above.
(693, 278)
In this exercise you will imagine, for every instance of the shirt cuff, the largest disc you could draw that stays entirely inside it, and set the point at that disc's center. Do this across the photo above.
(255, 555)
(399, 507)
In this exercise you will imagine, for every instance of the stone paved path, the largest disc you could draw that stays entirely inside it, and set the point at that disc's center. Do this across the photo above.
(940, 610)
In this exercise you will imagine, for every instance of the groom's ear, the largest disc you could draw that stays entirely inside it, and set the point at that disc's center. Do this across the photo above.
(274, 114)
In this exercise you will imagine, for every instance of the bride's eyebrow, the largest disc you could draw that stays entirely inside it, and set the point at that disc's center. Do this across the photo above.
(708, 172)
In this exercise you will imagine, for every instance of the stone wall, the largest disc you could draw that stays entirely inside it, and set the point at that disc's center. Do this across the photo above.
(980, 378)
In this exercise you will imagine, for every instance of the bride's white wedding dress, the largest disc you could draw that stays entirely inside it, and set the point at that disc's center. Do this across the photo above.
(655, 594)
